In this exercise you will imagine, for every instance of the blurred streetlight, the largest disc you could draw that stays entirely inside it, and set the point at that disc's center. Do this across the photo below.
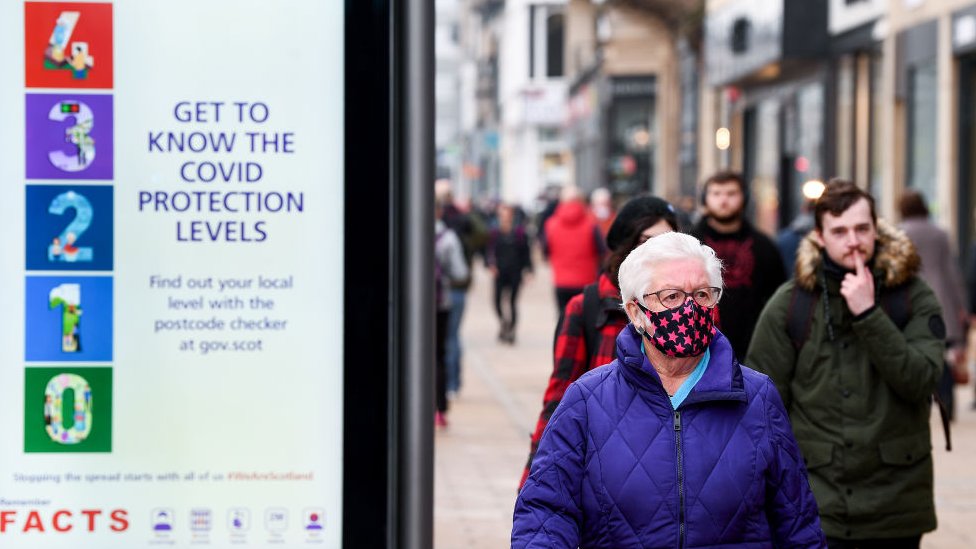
(723, 138)
(813, 188)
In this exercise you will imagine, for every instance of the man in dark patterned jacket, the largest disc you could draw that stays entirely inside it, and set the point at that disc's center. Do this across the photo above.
(751, 264)
(639, 219)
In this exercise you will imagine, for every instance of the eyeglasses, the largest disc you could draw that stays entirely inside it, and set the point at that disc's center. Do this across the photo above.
(673, 298)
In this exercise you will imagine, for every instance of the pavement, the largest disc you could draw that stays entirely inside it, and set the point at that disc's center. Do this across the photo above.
(479, 457)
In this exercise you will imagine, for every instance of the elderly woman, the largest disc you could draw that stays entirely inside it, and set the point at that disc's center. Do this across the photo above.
(674, 444)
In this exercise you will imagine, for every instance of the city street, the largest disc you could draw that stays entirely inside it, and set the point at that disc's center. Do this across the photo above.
(480, 456)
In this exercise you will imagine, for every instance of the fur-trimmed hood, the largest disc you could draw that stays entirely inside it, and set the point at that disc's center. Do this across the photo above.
(895, 258)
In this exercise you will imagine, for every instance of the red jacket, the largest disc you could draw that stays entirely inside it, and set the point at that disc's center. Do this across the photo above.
(572, 359)
(573, 242)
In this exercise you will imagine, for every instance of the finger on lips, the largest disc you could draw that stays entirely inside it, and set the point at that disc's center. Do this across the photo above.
(858, 263)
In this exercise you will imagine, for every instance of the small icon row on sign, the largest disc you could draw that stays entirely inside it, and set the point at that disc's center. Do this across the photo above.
(201, 519)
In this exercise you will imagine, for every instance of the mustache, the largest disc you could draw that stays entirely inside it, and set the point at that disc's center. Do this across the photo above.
(726, 218)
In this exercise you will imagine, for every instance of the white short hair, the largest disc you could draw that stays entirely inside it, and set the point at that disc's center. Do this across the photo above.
(637, 271)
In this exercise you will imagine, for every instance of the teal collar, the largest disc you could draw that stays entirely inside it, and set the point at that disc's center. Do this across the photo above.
(687, 385)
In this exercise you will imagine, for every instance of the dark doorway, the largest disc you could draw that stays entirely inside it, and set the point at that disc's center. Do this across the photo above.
(967, 150)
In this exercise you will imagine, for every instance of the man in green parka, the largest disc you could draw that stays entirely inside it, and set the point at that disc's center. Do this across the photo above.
(856, 384)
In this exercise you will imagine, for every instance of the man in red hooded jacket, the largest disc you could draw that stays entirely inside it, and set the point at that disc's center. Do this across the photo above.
(574, 246)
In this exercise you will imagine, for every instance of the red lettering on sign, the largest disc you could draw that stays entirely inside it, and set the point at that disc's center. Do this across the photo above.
(56, 521)
(6, 517)
(34, 522)
(120, 518)
(91, 514)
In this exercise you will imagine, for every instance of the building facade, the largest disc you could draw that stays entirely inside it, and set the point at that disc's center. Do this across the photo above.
(631, 126)
(532, 99)
(766, 65)
(878, 91)
(929, 49)
(481, 25)
(447, 90)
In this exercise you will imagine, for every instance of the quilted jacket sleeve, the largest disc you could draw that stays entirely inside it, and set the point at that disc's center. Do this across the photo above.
(548, 511)
(569, 363)
(790, 506)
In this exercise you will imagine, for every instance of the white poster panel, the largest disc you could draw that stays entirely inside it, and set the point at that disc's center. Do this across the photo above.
(171, 273)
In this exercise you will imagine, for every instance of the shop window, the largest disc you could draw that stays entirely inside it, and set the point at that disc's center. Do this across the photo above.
(632, 145)
(549, 134)
(688, 147)
(921, 158)
(967, 157)
(740, 35)
(546, 41)
(554, 45)
(810, 129)
(762, 148)
(876, 187)
(846, 112)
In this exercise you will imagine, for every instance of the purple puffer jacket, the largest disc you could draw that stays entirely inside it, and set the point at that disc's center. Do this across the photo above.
(618, 467)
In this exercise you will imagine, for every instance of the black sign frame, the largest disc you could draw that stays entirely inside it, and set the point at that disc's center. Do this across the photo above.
(388, 275)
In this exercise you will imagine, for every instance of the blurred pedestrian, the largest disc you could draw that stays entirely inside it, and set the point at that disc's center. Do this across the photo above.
(548, 201)
(472, 233)
(574, 246)
(674, 443)
(788, 239)
(854, 343)
(449, 268)
(587, 331)
(970, 274)
(941, 272)
(687, 213)
(507, 257)
(753, 268)
(601, 207)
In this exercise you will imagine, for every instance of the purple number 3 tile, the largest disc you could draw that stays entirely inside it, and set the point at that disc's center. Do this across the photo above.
(69, 136)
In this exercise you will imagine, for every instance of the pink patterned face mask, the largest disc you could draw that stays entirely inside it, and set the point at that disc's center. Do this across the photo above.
(681, 332)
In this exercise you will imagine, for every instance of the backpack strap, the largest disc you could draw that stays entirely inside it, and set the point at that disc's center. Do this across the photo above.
(944, 416)
(799, 318)
(591, 310)
(438, 269)
(897, 304)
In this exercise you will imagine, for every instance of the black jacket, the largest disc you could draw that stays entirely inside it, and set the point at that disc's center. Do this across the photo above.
(752, 270)
(508, 252)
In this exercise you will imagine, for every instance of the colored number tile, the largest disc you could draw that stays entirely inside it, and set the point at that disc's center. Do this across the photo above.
(68, 409)
(69, 228)
(68, 45)
(68, 319)
(69, 136)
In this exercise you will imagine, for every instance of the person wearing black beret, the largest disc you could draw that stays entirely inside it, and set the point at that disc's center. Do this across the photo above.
(588, 326)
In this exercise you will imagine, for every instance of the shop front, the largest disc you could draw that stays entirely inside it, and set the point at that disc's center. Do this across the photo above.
(584, 131)
(768, 60)
(632, 134)
(855, 106)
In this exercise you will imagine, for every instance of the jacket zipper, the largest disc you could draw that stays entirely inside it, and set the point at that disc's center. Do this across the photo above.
(681, 480)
